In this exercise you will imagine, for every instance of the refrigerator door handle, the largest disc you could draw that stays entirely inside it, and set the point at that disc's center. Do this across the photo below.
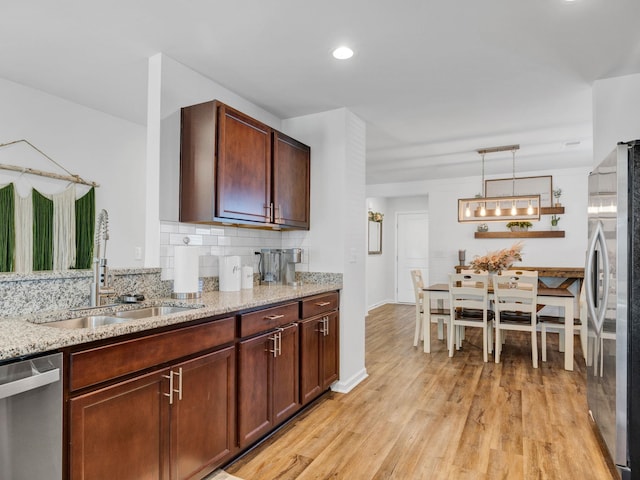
(597, 239)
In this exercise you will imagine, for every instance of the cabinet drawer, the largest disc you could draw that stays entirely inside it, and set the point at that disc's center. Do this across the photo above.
(319, 304)
(262, 320)
(97, 365)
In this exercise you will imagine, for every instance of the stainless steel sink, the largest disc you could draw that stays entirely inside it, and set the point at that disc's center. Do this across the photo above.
(151, 312)
(92, 321)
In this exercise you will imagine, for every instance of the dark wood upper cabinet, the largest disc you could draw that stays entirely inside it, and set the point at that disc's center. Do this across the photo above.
(236, 169)
(198, 162)
(244, 167)
(291, 180)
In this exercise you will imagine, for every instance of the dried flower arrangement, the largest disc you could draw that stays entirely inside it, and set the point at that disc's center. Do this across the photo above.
(498, 260)
(375, 216)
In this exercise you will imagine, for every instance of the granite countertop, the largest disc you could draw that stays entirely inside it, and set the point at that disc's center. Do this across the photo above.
(28, 334)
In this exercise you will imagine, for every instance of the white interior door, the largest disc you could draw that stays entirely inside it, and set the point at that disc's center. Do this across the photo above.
(412, 252)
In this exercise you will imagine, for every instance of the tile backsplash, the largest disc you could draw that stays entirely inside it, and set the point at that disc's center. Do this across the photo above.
(215, 241)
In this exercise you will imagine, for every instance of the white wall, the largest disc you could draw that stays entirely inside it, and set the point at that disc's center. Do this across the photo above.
(381, 269)
(89, 143)
(180, 87)
(336, 241)
(615, 113)
(447, 236)
(378, 265)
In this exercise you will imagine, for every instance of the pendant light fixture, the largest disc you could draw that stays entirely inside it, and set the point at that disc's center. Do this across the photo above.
(502, 208)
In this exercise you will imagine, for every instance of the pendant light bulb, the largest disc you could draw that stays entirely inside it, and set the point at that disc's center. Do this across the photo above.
(514, 210)
(530, 209)
(467, 211)
(483, 211)
(498, 209)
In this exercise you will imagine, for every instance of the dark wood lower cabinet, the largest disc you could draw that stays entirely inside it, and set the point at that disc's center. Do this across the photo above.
(203, 420)
(267, 382)
(135, 430)
(120, 431)
(319, 351)
(330, 351)
(286, 391)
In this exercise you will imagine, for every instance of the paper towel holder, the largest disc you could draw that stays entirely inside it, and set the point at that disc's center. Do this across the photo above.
(187, 295)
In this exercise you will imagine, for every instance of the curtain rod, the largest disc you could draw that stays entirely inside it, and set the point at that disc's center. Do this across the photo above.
(32, 171)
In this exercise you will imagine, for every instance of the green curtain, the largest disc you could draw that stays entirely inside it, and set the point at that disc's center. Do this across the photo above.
(42, 232)
(85, 226)
(7, 228)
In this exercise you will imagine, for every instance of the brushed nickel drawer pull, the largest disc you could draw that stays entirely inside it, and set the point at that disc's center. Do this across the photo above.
(170, 394)
(273, 317)
(179, 390)
(274, 339)
(322, 304)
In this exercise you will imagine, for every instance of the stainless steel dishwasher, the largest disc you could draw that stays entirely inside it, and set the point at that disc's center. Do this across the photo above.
(31, 418)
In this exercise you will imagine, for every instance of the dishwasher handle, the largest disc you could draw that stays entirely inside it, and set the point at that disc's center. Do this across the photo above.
(29, 383)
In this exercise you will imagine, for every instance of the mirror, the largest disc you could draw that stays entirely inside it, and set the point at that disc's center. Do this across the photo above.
(375, 238)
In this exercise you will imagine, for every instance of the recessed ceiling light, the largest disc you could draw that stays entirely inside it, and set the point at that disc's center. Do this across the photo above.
(342, 53)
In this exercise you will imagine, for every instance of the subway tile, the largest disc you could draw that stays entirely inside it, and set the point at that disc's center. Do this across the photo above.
(186, 228)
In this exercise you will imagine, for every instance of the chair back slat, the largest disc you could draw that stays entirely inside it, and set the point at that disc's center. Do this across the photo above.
(513, 292)
(418, 285)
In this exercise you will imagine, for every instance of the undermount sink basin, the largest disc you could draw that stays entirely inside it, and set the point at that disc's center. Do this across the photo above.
(92, 321)
(151, 312)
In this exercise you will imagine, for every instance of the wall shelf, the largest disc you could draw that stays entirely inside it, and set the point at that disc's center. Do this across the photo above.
(551, 210)
(534, 234)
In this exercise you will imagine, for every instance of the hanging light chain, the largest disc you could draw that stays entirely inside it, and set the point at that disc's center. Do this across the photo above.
(513, 172)
(483, 192)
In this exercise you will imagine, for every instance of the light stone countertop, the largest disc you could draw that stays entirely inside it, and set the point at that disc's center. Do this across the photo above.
(28, 334)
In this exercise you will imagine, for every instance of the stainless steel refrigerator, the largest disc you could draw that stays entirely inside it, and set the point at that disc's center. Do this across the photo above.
(612, 286)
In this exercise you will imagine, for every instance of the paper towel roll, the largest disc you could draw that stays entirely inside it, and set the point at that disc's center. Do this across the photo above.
(247, 277)
(185, 270)
(230, 274)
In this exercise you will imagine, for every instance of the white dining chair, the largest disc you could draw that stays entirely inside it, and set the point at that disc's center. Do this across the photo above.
(469, 307)
(437, 315)
(515, 307)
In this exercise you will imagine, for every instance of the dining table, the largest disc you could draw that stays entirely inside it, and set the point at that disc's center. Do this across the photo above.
(557, 297)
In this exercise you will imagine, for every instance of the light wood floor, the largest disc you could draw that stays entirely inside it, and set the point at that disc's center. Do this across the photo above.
(428, 416)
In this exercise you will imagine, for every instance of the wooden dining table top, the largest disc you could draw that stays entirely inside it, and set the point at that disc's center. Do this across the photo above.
(542, 291)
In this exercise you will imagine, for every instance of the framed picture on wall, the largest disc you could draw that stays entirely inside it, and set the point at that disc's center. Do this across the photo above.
(505, 187)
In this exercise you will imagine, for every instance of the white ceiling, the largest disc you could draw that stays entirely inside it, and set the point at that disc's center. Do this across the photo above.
(434, 79)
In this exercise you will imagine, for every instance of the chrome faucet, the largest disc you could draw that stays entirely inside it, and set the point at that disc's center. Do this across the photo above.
(100, 287)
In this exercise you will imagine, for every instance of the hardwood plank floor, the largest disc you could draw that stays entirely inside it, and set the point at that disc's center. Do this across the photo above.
(428, 416)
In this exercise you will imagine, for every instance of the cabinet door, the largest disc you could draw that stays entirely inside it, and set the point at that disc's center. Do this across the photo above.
(286, 391)
(197, 162)
(310, 371)
(291, 178)
(244, 167)
(254, 381)
(202, 421)
(330, 351)
(119, 431)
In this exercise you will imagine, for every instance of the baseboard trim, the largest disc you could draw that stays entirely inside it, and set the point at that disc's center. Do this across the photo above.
(351, 383)
(378, 304)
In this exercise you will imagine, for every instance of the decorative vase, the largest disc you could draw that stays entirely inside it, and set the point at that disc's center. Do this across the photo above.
(554, 227)
(519, 229)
